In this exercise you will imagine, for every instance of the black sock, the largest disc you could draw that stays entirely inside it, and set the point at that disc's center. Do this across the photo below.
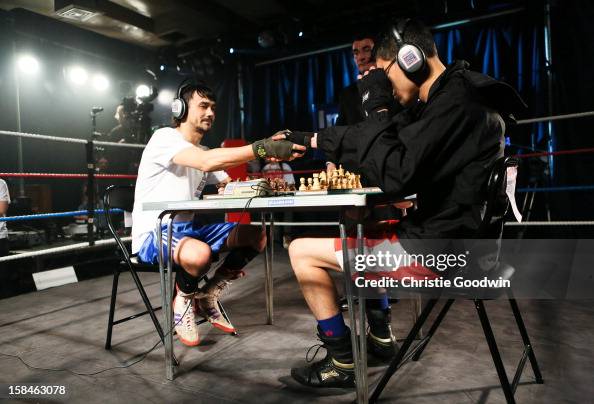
(185, 282)
(239, 258)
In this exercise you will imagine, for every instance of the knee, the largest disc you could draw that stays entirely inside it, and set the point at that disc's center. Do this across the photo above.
(196, 260)
(297, 253)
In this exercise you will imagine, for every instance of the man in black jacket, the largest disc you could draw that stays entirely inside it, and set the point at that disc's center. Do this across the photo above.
(442, 150)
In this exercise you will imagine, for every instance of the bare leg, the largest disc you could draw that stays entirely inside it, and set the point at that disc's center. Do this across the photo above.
(193, 256)
(311, 259)
(247, 236)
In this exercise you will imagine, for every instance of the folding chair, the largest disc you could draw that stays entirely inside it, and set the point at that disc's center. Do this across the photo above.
(122, 197)
(491, 228)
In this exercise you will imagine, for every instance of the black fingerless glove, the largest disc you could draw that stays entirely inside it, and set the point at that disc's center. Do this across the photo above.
(375, 89)
(280, 149)
(301, 138)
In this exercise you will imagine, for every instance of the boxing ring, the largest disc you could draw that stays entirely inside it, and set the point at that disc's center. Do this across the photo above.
(92, 178)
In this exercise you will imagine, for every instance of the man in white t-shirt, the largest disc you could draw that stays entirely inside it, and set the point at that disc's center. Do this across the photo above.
(175, 167)
(4, 202)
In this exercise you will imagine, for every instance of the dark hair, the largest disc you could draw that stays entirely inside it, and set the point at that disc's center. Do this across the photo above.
(188, 90)
(364, 35)
(414, 32)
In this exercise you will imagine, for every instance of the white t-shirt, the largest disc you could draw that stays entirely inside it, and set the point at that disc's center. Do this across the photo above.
(160, 179)
(4, 197)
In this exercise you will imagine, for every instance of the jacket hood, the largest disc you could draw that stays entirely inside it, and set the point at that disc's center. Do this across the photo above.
(497, 94)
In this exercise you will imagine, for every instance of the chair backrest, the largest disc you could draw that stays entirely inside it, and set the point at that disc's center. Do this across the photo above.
(497, 203)
(118, 197)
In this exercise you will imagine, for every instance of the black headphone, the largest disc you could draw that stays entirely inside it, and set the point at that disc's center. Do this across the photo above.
(410, 57)
(179, 106)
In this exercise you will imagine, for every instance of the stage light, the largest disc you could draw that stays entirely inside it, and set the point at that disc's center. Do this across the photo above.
(28, 64)
(77, 75)
(100, 82)
(166, 97)
(143, 91)
(162, 67)
(300, 34)
(231, 50)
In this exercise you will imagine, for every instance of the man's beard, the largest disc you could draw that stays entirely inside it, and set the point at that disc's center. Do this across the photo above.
(200, 128)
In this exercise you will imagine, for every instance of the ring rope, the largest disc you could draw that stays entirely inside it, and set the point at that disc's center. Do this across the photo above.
(68, 139)
(555, 117)
(555, 153)
(66, 175)
(54, 215)
(557, 189)
(65, 248)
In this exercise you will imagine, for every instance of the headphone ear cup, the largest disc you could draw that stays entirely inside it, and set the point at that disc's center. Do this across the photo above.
(178, 108)
(411, 59)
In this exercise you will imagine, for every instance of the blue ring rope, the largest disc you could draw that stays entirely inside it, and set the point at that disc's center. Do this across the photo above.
(53, 215)
(558, 189)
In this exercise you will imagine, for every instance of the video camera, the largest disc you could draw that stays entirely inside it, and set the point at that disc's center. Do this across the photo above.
(136, 116)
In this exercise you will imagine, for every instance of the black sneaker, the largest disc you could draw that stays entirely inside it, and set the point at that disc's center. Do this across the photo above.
(382, 348)
(326, 373)
(335, 370)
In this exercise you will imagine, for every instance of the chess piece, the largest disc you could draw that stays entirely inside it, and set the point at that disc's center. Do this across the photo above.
(302, 187)
(309, 183)
(340, 171)
(316, 182)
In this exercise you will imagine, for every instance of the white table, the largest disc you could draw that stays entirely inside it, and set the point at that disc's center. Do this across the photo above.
(266, 205)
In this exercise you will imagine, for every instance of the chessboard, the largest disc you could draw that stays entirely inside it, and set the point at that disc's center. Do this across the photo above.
(337, 181)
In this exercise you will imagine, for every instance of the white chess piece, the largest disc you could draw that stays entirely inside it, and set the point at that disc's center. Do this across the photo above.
(302, 186)
(316, 182)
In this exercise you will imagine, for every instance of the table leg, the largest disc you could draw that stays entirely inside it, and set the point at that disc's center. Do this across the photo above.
(362, 323)
(268, 269)
(167, 305)
(417, 307)
(352, 316)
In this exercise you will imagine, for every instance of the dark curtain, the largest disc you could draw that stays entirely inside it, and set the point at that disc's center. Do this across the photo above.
(512, 49)
(288, 94)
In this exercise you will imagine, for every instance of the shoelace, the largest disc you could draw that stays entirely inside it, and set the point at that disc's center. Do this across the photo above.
(188, 318)
(318, 347)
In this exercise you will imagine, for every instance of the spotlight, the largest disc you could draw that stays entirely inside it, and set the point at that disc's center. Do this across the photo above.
(77, 75)
(231, 50)
(162, 67)
(300, 34)
(166, 97)
(28, 64)
(100, 82)
(143, 91)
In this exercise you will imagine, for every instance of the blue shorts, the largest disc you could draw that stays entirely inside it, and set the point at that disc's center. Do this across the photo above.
(215, 235)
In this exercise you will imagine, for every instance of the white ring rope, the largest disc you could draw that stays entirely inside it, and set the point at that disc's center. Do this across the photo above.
(560, 223)
(114, 144)
(42, 137)
(65, 248)
(556, 117)
(68, 139)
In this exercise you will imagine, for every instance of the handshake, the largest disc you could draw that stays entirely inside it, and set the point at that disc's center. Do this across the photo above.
(283, 145)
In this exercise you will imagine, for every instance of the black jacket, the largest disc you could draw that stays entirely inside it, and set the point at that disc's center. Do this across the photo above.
(442, 151)
(350, 111)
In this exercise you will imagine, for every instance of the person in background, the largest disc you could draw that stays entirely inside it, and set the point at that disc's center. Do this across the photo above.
(4, 202)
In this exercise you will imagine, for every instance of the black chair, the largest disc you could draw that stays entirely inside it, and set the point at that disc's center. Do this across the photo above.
(491, 228)
(122, 197)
